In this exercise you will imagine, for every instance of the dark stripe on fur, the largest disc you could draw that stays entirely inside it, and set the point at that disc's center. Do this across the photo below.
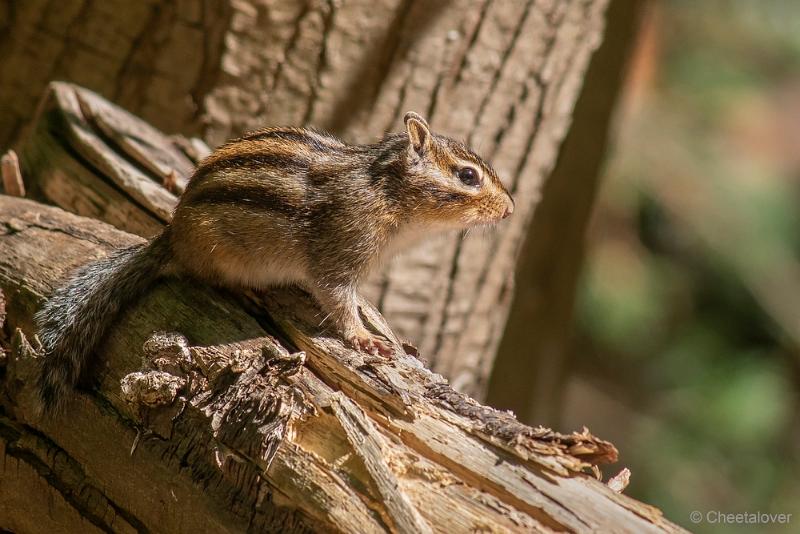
(253, 195)
(257, 161)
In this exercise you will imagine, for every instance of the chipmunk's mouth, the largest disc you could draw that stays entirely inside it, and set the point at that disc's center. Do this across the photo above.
(495, 212)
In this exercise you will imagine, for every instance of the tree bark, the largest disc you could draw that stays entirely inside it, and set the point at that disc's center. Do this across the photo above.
(503, 75)
(157, 58)
(217, 422)
(532, 361)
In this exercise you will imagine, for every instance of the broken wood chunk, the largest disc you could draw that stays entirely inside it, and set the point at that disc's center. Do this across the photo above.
(620, 481)
(127, 173)
(151, 388)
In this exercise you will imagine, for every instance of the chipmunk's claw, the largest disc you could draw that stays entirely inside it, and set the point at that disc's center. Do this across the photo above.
(372, 345)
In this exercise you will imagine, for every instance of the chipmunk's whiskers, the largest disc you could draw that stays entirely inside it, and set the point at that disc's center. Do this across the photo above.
(325, 319)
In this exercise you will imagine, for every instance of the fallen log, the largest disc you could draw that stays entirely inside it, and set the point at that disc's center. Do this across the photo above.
(257, 438)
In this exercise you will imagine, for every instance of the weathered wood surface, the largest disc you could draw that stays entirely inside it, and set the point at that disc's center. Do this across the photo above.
(257, 439)
(502, 75)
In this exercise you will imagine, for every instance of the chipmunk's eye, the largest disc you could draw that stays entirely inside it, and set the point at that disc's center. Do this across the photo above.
(469, 176)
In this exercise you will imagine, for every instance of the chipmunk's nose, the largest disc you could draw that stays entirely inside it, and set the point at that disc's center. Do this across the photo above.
(509, 207)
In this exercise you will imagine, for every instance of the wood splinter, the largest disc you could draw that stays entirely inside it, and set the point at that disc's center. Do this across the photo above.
(368, 445)
(12, 177)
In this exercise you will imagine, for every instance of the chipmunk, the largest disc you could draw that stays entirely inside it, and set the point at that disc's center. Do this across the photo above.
(279, 206)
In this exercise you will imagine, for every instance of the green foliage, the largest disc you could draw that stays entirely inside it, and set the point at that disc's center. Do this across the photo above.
(691, 296)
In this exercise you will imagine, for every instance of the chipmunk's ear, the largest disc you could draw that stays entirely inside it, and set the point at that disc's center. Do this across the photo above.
(419, 134)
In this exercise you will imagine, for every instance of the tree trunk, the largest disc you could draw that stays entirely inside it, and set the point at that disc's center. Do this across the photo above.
(157, 58)
(217, 422)
(532, 366)
(503, 75)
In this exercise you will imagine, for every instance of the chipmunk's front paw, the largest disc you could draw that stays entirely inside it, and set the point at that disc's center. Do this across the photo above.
(371, 344)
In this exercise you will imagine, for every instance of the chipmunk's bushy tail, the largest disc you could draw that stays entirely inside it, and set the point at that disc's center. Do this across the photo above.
(76, 317)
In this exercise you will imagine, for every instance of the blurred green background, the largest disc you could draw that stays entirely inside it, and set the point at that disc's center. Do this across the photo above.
(687, 354)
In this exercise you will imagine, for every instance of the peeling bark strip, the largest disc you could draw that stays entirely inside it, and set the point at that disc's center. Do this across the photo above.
(255, 440)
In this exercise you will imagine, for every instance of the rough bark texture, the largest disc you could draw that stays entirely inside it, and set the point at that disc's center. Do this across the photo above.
(531, 364)
(220, 424)
(157, 58)
(502, 74)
